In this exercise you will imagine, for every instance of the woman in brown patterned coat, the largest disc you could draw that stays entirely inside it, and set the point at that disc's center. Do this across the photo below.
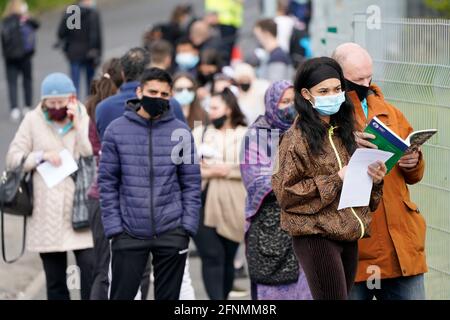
(313, 158)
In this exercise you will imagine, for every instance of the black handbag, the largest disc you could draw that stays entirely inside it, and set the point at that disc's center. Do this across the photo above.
(83, 177)
(16, 198)
(270, 255)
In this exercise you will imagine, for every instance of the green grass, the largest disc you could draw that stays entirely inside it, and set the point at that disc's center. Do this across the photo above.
(39, 6)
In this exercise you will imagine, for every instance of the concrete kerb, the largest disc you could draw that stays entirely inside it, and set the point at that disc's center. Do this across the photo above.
(32, 290)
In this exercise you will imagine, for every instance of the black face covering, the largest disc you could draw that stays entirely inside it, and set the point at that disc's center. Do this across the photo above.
(154, 106)
(203, 79)
(361, 91)
(219, 122)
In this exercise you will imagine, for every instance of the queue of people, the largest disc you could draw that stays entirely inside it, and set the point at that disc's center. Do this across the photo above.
(189, 144)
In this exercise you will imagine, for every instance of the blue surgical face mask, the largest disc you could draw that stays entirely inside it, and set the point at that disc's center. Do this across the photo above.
(187, 61)
(185, 97)
(329, 105)
(288, 114)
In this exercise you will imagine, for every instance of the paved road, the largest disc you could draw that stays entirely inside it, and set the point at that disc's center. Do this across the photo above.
(197, 283)
(124, 23)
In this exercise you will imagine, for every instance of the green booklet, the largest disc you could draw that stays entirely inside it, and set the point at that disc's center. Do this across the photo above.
(388, 140)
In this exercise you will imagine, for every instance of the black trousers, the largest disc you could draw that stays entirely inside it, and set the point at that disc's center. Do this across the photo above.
(229, 36)
(130, 257)
(55, 268)
(217, 254)
(102, 258)
(330, 266)
(15, 68)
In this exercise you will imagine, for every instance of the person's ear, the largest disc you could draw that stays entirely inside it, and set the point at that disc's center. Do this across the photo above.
(168, 62)
(306, 95)
(139, 92)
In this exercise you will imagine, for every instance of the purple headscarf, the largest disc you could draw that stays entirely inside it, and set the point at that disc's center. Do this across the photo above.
(257, 167)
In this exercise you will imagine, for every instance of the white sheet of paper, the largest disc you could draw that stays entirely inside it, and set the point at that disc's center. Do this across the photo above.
(54, 175)
(357, 182)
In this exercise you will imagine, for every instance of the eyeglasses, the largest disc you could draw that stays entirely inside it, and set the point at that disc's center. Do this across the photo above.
(178, 90)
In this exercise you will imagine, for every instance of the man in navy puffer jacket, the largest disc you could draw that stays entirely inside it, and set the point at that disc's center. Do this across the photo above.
(150, 187)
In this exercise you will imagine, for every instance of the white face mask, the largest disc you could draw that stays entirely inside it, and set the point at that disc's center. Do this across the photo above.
(185, 97)
(328, 105)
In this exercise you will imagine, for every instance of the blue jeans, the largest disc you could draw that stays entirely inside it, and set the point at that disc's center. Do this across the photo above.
(76, 68)
(402, 288)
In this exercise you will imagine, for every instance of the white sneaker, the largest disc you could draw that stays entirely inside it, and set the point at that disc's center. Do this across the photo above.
(237, 292)
(25, 110)
(15, 115)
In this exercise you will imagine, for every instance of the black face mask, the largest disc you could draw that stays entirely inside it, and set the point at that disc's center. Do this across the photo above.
(203, 79)
(245, 86)
(219, 122)
(154, 106)
(361, 91)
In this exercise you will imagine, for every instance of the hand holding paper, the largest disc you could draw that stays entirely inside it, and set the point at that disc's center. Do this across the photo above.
(377, 171)
(55, 175)
(357, 183)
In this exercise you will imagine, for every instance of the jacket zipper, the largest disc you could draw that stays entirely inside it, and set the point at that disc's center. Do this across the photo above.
(152, 213)
(330, 135)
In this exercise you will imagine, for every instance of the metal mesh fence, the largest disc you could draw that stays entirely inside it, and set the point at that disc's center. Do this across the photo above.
(412, 66)
(332, 19)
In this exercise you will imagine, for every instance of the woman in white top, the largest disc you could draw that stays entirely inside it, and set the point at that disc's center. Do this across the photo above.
(222, 217)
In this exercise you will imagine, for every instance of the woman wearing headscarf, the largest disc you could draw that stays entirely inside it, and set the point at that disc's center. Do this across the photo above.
(274, 271)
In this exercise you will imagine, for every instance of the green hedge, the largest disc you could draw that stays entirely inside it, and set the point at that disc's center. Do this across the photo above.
(37, 6)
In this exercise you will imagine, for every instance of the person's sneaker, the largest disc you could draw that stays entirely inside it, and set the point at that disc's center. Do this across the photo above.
(15, 115)
(237, 292)
(25, 110)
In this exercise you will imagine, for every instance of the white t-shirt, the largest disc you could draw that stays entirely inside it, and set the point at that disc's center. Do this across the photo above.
(285, 25)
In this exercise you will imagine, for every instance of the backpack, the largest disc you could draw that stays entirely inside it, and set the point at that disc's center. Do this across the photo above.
(12, 40)
(28, 37)
(18, 39)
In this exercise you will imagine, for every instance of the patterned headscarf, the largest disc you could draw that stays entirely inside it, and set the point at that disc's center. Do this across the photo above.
(272, 99)
(256, 175)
